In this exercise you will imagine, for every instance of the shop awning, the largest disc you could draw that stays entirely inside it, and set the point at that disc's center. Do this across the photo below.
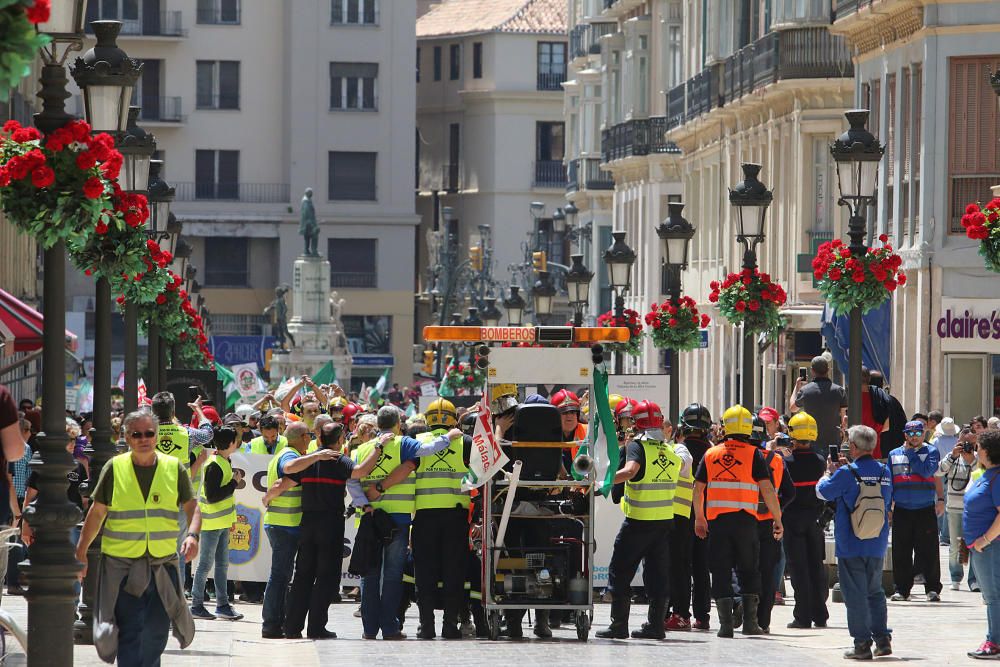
(21, 326)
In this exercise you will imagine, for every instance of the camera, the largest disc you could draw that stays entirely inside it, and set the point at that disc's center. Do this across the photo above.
(968, 447)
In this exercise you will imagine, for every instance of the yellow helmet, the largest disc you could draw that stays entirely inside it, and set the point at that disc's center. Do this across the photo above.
(337, 404)
(441, 412)
(737, 420)
(802, 427)
(614, 400)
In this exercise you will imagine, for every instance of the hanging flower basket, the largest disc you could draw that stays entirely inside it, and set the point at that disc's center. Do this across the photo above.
(631, 320)
(19, 40)
(676, 324)
(857, 282)
(179, 324)
(751, 299)
(983, 225)
(62, 188)
(464, 376)
(119, 243)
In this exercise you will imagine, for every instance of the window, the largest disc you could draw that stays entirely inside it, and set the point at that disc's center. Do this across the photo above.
(232, 264)
(890, 155)
(437, 63)
(352, 176)
(454, 155)
(353, 262)
(219, 12)
(355, 12)
(551, 65)
(218, 84)
(454, 61)
(973, 158)
(477, 60)
(550, 145)
(368, 334)
(216, 174)
(126, 11)
(352, 86)
(674, 50)
(418, 64)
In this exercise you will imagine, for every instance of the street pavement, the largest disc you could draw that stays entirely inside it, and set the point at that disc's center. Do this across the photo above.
(931, 633)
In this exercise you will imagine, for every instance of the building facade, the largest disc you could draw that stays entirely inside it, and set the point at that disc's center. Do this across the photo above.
(253, 102)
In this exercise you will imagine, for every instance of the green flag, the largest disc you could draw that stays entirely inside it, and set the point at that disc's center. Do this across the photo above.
(228, 380)
(378, 391)
(603, 437)
(325, 375)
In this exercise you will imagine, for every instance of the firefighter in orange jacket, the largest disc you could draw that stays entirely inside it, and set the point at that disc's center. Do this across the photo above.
(735, 476)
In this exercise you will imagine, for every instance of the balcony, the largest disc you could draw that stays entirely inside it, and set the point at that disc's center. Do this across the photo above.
(150, 24)
(844, 8)
(162, 110)
(549, 174)
(586, 174)
(585, 39)
(638, 137)
(551, 80)
(351, 279)
(808, 53)
(249, 193)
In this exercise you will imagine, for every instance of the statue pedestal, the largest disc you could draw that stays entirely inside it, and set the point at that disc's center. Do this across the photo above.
(310, 291)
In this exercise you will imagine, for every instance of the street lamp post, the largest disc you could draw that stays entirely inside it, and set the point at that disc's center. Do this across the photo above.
(857, 153)
(160, 195)
(675, 236)
(619, 258)
(53, 567)
(750, 198)
(578, 286)
(514, 304)
(542, 294)
(491, 314)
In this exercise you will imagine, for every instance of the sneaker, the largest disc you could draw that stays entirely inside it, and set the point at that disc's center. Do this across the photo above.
(899, 597)
(986, 651)
(933, 596)
(227, 613)
(956, 585)
(357, 612)
(677, 622)
(798, 625)
(202, 613)
(702, 625)
(779, 599)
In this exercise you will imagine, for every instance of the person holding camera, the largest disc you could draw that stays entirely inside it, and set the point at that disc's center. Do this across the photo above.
(822, 398)
(980, 529)
(956, 468)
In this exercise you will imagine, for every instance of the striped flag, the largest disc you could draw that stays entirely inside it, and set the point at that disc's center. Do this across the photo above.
(603, 441)
(487, 458)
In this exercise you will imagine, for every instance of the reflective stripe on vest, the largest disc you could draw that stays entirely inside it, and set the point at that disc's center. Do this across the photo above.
(777, 470)
(438, 483)
(286, 509)
(258, 446)
(731, 487)
(684, 496)
(652, 497)
(400, 498)
(135, 525)
(172, 440)
(220, 515)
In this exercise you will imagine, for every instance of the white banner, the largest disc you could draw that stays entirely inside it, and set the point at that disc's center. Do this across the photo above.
(643, 387)
(969, 325)
(486, 457)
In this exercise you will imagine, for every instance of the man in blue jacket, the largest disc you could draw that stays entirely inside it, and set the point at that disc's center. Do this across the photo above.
(859, 562)
(916, 506)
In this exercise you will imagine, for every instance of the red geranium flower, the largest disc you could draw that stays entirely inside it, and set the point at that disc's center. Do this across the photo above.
(93, 188)
(39, 12)
(43, 177)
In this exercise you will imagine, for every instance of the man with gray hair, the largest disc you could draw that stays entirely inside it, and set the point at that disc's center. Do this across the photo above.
(859, 561)
(825, 400)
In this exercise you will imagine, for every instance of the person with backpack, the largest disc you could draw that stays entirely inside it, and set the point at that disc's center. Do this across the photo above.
(862, 491)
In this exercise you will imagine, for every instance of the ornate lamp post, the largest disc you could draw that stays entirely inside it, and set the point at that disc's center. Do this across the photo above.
(750, 198)
(578, 286)
(514, 304)
(542, 294)
(160, 195)
(491, 314)
(53, 568)
(857, 153)
(619, 258)
(675, 237)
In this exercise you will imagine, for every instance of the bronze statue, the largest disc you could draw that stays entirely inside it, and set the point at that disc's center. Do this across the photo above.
(307, 224)
(278, 310)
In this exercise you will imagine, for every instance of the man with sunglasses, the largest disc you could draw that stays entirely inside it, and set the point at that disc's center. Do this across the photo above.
(916, 506)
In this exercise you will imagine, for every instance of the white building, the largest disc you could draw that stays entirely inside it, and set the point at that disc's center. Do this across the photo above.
(253, 102)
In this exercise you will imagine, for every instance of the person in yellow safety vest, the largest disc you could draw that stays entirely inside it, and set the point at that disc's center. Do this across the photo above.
(139, 592)
(441, 523)
(218, 514)
(735, 476)
(184, 443)
(652, 468)
(382, 589)
(270, 441)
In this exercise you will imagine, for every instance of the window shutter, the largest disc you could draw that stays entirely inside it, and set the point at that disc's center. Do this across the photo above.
(352, 176)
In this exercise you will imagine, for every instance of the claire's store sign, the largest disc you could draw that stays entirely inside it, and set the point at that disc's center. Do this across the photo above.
(969, 325)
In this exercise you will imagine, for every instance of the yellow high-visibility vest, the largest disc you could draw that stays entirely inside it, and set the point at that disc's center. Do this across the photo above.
(135, 525)
(652, 497)
(216, 516)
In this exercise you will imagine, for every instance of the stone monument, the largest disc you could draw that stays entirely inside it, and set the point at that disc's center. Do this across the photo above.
(315, 329)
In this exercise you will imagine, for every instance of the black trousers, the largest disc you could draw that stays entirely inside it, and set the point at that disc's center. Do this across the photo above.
(440, 546)
(770, 554)
(318, 566)
(646, 542)
(681, 546)
(733, 545)
(805, 548)
(915, 532)
(701, 589)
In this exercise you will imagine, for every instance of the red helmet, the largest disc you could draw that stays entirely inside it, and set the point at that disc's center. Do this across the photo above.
(566, 401)
(625, 408)
(647, 415)
(349, 411)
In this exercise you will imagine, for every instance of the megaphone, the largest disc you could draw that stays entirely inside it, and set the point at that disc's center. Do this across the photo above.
(583, 464)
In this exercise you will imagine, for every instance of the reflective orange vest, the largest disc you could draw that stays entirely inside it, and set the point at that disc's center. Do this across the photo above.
(777, 470)
(731, 486)
(579, 433)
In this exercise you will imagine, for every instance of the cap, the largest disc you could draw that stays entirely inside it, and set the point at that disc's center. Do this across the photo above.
(913, 427)
(211, 414)
(768, 414)
(233, 419)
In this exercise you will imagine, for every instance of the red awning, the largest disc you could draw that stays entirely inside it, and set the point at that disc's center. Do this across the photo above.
(21, 326)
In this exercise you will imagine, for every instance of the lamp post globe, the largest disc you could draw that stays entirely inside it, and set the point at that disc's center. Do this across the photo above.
(491, 314)
(543, 293)
(675, 236)
(137, 147)
(106, 75)
(66, 19)
(514, 304)
(619, 257)
(578, 280)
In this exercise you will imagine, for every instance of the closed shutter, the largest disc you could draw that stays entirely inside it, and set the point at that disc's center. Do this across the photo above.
(352, 176)
(973, 159)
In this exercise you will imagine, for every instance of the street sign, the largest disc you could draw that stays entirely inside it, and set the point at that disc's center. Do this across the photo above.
(704, 339)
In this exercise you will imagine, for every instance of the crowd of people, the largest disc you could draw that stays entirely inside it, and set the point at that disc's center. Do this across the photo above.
(713, 510)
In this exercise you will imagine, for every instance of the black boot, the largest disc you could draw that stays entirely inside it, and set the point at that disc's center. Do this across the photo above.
(883, 646)
(479, 618)
(750, 626)
(725, 608)
(619, 619)
(426, 629)
(653, 627)
(542, 630)
(451, 619)
(861, 651)
(737, 612)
